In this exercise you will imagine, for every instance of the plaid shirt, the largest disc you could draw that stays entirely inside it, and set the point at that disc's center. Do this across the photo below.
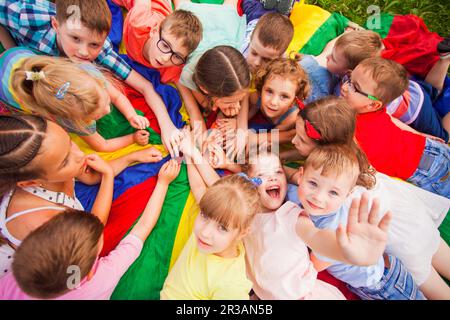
(29, 23)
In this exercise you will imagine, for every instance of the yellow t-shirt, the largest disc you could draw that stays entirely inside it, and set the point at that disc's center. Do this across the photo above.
(200, 276)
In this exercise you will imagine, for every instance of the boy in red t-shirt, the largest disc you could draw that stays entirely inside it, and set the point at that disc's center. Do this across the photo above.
(397, 151)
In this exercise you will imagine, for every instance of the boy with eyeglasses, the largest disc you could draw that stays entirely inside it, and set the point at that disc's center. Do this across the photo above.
(408, 155)
(78, 29)
(416, 106)
(158, 37)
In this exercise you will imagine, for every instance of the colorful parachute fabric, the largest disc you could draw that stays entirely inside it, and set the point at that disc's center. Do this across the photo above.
(134, 186)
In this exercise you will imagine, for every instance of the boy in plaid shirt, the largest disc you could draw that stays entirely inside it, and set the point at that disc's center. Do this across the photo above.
(79, 29)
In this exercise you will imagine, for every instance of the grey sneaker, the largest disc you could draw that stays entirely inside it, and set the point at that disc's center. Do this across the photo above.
(282, 6)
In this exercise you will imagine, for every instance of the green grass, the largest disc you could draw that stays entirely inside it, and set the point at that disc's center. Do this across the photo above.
(436, 14)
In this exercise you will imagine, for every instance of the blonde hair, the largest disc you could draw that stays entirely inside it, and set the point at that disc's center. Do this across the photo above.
(391, 78)
(41, 262)
(286, 68)
(274, 30)
(184, 26)
(335, 160)
(359, 45)
(336, 123)
(232, 201)
(39, 96)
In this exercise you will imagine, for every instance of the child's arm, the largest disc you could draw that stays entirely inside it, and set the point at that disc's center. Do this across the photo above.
(100, 144)
(219, 160)
(148, 155)
(126, 108)
(103, 201)
(169, 171)
(170, 135)
(291, 174)
(290, 155)
(5, 39)
(362, 243)
(188, 148)
(196, 182)
(242, 116)
(192, 108)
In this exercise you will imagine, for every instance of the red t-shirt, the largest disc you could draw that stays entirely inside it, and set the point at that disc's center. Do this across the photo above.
(390, 150)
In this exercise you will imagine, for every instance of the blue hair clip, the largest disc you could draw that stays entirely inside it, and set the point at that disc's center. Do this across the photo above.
(62, 91)
(256, 181)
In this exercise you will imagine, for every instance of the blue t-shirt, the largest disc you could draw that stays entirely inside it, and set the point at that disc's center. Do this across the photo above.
(320, 79)
(356, 276)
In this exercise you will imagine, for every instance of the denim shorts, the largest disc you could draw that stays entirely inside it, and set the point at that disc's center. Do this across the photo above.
(433, 171)
(396, 284)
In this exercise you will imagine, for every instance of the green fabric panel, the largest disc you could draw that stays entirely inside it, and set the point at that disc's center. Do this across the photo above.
(330, 29)
(385, 24)
(115, 125)
(145, 278)
(445, 229)
(445, 233)
(2, 48)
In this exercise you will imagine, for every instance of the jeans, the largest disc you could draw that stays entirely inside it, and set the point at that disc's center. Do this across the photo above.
(396, 284)
(433, 171)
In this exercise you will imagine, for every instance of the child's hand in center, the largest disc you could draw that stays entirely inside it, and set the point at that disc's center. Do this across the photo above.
(168, 172)
(141, 137)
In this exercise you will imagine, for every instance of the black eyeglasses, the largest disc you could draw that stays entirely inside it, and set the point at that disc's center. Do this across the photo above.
(165, 47)
(348, 79)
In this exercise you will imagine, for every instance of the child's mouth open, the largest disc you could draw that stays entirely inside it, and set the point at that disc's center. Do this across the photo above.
(273, 192)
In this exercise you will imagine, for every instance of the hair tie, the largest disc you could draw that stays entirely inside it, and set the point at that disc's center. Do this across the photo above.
(310, 130)
(62, 91)
(256, 181)
(34, 75)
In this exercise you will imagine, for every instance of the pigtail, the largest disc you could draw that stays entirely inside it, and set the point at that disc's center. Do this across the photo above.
(367, 172)
(57, 88)
(20, 141)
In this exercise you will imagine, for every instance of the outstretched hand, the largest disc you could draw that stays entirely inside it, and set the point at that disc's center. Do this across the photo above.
(364, 240)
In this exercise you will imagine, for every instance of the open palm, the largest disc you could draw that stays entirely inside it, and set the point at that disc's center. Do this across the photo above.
(364, 240)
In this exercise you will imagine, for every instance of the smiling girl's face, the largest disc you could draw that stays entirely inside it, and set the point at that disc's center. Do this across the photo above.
(277, 96)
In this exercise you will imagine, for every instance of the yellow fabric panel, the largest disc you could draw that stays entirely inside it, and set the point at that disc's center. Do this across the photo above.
(306, 19)
(116, 154)
(122, 49)
(191, 209)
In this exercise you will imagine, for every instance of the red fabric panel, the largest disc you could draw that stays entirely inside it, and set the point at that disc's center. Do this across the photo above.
(138, 102)
(124, 212)
(325, 276)
(411, 44)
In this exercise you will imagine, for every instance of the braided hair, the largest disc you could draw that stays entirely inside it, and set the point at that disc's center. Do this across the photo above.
(20, 141)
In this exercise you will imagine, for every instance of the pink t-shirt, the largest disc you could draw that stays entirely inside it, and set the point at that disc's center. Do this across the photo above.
(108, 271)
(278, 261)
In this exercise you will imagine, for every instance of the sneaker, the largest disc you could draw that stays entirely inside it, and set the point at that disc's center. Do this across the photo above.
(282, 6)
(285, 6)
(444, 48)
(269, 4)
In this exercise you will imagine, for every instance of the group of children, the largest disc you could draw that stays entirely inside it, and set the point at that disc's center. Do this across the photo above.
(264, 230)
